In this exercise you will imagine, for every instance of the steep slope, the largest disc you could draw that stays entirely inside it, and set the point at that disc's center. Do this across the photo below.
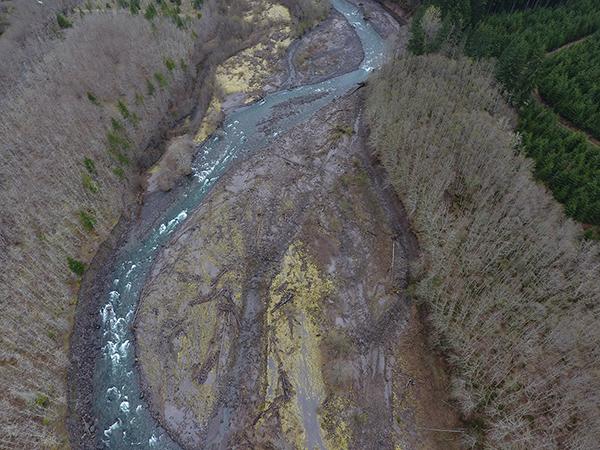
(82, 116)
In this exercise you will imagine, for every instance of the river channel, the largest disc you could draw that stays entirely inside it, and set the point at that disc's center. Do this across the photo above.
(124, 420)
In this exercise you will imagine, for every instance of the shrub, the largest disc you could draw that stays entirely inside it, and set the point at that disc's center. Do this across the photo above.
(178, 21)
(592, 233)
(90, 166)
(134, 119)
(117, 139)
(87, 219)
(151, 12)
(170, 64)
(118, 171)
(77, 267)
(139, 99)
(120, 157)
(123, 110)
(134, 6)
(89, 183)
(63, 22)
(42, 400)
(161, 80)
(92, 98)
(116, 124)
(150, 89)
(339, 131)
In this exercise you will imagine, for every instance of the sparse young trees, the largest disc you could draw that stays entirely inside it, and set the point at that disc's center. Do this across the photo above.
(511, 288)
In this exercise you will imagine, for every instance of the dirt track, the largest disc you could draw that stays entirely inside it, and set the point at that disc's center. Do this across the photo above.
(566, 123)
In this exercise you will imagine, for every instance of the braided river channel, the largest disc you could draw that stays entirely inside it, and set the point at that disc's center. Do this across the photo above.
(124, 420)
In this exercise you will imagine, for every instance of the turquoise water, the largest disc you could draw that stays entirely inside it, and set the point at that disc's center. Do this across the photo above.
(124, 420)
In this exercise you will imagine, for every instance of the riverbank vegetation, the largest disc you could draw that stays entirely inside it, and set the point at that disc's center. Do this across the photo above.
(61, 153)
(84, 107)
(510, 287)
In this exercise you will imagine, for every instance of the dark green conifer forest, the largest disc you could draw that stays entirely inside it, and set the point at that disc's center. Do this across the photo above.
(547, 58)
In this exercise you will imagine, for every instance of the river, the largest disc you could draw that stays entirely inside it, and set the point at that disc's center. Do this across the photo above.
(124, 420)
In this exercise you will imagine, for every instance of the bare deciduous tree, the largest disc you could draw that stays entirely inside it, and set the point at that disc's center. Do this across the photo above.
(511, 288)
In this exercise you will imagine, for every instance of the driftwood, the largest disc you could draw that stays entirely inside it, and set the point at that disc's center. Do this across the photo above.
(288, 298)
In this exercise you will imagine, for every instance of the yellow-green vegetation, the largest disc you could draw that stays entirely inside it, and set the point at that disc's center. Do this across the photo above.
(294, 327)
(339, 131)
(210, 121)
(337, 430)
(247, 71)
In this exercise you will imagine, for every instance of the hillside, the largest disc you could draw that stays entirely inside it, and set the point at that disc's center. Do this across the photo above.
(508, 282)
(510, 287)
(86, 106)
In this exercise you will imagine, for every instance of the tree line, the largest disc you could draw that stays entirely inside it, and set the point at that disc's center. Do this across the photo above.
(518, 39)
(564, 160)
(510, 287)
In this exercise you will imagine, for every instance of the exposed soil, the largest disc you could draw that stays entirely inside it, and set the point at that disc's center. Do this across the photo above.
(280, 317)
(145, 209)
(569, 44)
